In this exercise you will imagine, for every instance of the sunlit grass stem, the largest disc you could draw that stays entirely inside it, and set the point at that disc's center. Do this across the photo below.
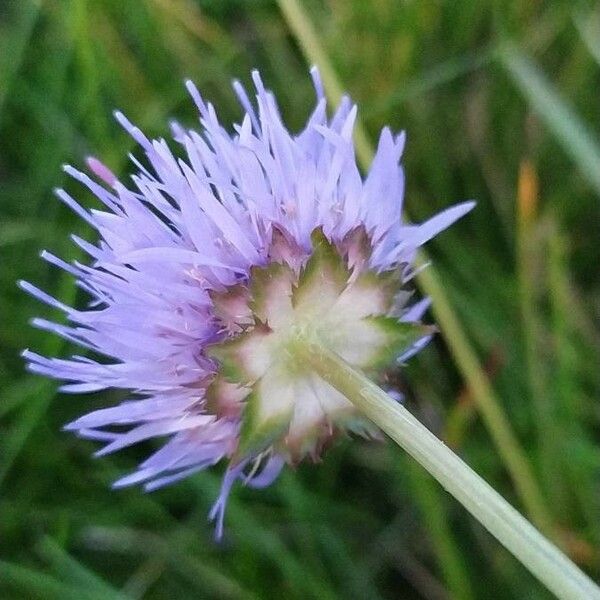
(466, 359)
(528, 262)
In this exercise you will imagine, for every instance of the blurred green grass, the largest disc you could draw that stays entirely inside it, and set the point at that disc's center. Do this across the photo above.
(494, 96)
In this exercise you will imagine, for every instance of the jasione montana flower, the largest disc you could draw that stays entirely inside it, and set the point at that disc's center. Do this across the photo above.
(210, 266)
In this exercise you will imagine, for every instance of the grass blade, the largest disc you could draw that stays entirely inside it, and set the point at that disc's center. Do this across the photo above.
(13, 47)
(73, 571)
(33, 583)
(559, 117)
(588, 26)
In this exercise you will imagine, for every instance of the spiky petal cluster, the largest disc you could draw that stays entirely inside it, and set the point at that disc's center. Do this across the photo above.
(205, 267)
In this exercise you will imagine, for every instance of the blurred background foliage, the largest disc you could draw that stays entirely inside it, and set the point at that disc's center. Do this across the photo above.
(500, 101)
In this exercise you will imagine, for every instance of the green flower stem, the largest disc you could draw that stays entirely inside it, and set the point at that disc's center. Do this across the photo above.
(526, 543)
(486, 400)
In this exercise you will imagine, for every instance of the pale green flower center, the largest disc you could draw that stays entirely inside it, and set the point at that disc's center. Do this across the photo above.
(281, 401)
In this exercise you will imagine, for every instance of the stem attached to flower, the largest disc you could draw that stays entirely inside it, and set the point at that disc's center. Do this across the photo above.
(540, 556)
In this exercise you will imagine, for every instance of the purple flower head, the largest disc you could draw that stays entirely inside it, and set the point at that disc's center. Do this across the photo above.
(208, 267)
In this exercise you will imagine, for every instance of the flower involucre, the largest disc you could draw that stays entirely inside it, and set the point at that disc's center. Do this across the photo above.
(211, 268)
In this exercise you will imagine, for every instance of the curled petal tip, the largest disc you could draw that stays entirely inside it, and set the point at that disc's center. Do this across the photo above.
(101, 170)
